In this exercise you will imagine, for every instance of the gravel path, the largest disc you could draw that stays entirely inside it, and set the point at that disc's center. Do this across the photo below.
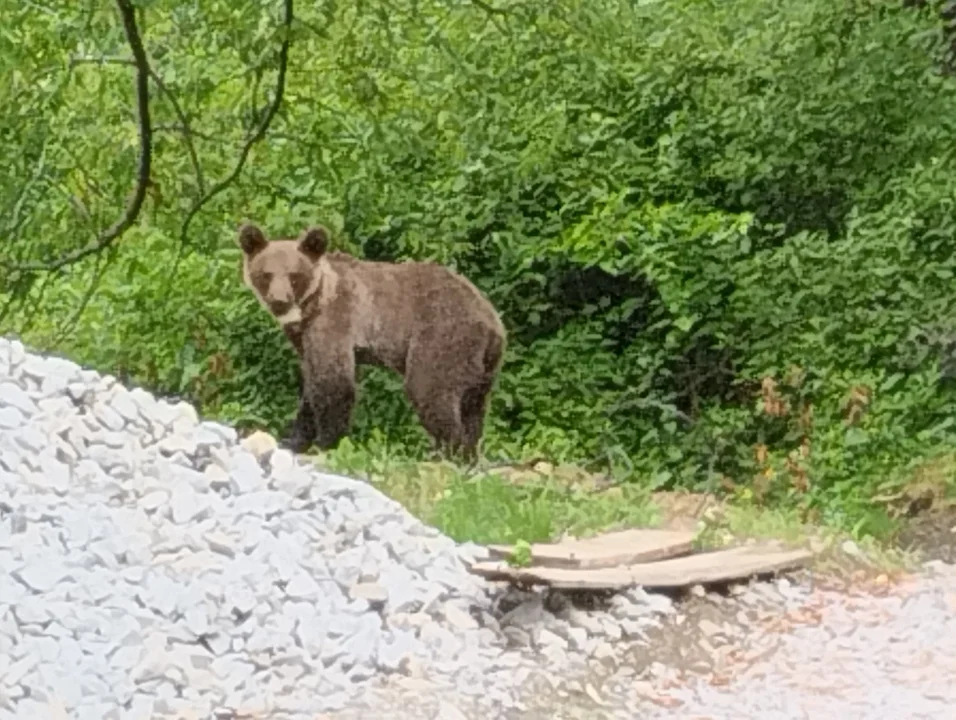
(154, 566)
(875, 654)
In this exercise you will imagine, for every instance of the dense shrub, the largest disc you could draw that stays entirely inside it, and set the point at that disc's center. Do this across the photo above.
(721, 234)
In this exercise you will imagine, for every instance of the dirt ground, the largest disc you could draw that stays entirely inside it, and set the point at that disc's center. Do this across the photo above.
(933, 533)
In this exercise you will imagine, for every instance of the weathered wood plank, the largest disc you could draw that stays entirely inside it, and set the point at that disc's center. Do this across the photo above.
(711, 567)
(626, 547)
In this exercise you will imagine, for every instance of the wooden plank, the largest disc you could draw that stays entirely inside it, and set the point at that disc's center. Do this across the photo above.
(626, 547)
(711, 567)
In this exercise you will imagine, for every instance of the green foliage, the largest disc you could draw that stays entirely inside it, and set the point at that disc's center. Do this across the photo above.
(520, 554)
(670, 202)
(488, 507)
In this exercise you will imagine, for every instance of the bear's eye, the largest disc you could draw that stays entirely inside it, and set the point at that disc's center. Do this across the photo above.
(265, 278)
(298, 284)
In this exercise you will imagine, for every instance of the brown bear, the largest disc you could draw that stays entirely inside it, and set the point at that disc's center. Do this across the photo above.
(419, 319)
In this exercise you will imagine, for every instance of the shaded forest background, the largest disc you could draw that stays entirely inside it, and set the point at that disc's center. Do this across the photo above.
(721, 235)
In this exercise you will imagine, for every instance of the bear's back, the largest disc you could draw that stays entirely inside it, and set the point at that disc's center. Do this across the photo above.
(413, 291)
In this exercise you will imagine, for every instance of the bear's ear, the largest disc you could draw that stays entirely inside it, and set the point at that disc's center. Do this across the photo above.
(251, 239)
(314, 242)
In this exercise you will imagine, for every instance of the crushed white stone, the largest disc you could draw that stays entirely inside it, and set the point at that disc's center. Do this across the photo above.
(157, 566)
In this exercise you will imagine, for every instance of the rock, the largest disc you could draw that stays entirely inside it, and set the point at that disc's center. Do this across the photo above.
(260, 444)
(577, 637)
(196, 620)
(123, 404)
(297, 481)
(612, 630)
(709, 628)
(374, 594)
(528, 613)
(220, 543)
(158, 567)
(396, 654)
(154, 500)
(55, 474)
(546, 638)
(108, 417)
(245, 474)
(10, 418)
(176, 443)
(517, 637)
(185, 414)
(185, 504)
(459, 618)
(41, 576)
(80, 393)
(13, 396)
(226, 434)
(262, 503)
(217, 478)
(851, 548)
(591, 624)
(447, 711)
(281, 462)
(302, 586)
(627, 606)
(660, 604)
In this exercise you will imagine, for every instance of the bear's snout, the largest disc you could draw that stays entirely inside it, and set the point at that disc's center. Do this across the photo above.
(280, 307)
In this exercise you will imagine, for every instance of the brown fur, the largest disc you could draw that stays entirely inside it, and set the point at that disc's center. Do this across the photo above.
(419, 319)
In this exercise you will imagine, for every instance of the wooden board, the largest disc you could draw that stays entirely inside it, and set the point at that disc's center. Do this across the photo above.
(710, 567)
(626, 547)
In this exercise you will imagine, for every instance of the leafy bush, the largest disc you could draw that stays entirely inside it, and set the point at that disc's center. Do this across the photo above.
(721, 235)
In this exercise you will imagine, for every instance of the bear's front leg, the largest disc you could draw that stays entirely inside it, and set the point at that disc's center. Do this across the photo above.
(329, 378)
(331, 401)
(302, 431)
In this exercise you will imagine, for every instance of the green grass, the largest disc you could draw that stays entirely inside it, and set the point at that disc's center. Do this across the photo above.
(515, 507)
(488, 508)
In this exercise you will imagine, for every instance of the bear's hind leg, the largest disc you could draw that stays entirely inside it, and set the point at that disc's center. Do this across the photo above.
(438, 408)
(474, 404)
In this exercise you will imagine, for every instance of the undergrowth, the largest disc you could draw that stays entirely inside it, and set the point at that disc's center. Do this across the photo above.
(721, 235)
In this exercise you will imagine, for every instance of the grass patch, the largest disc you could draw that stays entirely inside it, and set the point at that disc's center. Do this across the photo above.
(517, 506)
(494, 506)
(837, 554)
(490, 509)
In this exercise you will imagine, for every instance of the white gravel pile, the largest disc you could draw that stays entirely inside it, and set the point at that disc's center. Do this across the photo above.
(153, 567)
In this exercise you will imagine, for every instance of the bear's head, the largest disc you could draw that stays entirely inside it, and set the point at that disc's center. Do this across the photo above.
(283, 274)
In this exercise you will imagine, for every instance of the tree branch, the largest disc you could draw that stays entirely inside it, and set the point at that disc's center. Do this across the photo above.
(489, 8)
(186, 129)
(184, 126)
(16, 207)
(259, 132)
(131, 213)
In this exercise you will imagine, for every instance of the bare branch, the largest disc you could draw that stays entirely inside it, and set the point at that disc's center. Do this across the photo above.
(177, 128)
(493, 14)
(131, 213)
(259, 132)
(186, 129)
(489, 8)
(16, 208)
(184, 126)
(100, 60)
(70, 324)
